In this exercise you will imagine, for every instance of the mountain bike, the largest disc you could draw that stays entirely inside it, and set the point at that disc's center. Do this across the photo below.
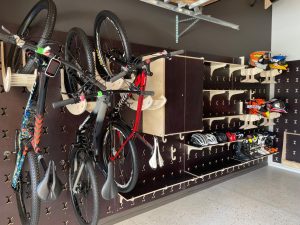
(26, 177)
(111, 149)
(107, 144)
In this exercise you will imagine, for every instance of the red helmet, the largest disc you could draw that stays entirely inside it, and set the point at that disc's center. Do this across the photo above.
(231, 136)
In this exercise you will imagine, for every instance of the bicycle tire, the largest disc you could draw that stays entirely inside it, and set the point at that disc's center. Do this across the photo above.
(101, 17)
(131, 147)
(72, 80)
(15, 52)
(20, 196)
(94, 186)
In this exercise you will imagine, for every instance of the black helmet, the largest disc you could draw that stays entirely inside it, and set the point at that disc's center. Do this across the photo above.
(275, 105)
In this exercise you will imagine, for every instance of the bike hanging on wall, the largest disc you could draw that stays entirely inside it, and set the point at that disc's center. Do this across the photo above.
(26, 144)
(111, 149)
(29, 155)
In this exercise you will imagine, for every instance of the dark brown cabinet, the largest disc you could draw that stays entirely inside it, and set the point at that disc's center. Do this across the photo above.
(180, 80)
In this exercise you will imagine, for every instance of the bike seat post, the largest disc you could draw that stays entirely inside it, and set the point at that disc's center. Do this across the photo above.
(100, 111)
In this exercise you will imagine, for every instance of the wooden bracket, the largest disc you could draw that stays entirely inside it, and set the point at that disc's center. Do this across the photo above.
(270, 121)
(249, 73)
(15, 79)
(270, 76)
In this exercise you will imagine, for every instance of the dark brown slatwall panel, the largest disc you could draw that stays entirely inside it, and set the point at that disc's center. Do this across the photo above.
(60, 127)
(288, 89)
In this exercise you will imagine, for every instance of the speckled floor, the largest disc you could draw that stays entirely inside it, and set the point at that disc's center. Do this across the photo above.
(268, 196)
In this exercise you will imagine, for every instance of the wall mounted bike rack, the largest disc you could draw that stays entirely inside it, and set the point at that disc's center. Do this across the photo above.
(149, 103)
(11, 79)
(75, 109)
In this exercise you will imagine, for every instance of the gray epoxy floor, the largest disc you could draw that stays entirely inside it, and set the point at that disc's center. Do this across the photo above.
(268, 196)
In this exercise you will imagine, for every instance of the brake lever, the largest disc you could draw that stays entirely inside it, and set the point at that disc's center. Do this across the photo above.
(6, 30)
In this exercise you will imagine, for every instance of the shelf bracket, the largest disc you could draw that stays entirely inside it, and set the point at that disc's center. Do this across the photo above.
(249, 119)
(234, 92)
(233, 68)
(249, 73)
(270, 76)
(212, 93)
(195, 13)
(270, 121)
(210, 120)
(216, 65)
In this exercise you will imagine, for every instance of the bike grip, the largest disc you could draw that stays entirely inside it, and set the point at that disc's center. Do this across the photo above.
(179, 52)
(62, 103)
(118, 76)
(149, 93)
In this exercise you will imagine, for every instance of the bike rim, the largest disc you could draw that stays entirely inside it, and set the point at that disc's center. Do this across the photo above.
(83, 200)
(111, 46)
(24, 195)
(123, 165)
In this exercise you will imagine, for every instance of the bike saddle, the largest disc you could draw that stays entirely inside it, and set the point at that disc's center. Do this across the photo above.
(109, 189)
(50, 187)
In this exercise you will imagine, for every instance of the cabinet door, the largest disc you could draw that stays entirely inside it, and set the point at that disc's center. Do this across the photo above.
(175, 85)
(193, 94)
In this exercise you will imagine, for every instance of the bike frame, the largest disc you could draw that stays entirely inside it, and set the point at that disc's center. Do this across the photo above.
(26, 140)
(97, 117)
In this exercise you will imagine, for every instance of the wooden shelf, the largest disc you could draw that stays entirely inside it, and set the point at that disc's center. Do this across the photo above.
(248, 118)
(194, 148)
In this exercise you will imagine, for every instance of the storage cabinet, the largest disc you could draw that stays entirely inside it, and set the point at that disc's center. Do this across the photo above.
(180, 80)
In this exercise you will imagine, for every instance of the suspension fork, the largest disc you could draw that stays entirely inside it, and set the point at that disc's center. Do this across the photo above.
(140, 82)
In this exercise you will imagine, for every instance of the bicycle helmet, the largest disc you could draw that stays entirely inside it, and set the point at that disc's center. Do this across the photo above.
(211, 139)
(261, 139)
(231, 136)
(239, 135)
(221, 137)
(269, 142)
(199, 140)
(275, 105)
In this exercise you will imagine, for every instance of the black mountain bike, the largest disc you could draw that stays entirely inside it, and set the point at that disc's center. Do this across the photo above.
(104, 139)
(26, 178)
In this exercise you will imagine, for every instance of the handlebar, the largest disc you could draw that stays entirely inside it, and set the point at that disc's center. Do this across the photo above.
(63, 103)
(144, 63)
(75, 100)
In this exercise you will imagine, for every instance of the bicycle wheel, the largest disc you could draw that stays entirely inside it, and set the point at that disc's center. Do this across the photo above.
(28, 201)
(112, 45)
(14, 55)
(85, 196)
(78, 51)
(126, 165)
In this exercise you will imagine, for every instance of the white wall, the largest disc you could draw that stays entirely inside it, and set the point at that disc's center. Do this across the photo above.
(286, 28)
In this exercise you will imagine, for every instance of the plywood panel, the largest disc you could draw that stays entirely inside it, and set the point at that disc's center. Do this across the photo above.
(154, 121)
